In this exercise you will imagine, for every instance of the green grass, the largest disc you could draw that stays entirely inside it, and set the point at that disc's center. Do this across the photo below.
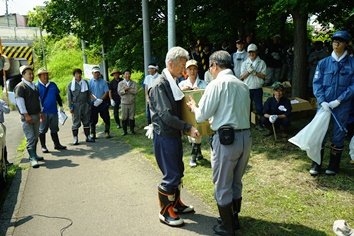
(279, 195)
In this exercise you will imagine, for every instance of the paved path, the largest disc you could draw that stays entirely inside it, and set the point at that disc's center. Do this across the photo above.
(102, 188)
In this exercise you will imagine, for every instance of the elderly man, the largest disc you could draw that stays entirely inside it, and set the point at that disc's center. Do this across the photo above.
(127, 89)
(114, 96)
(30, 109)
(148, 81)
(99, 93)
(333, 86)
(165, 107)
(50, 96)
(229, 115)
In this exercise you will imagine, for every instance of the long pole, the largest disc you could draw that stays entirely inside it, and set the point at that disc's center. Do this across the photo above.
(4, 77)
(171, 24)
(146, 36)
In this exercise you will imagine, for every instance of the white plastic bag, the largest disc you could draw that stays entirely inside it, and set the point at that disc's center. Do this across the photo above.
(351, 148)
(310, 138)
(62, 117)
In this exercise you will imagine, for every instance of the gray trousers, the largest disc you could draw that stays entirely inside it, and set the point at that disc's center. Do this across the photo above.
(31, 131)
(128, 111)
(50, 121)
(229, 163)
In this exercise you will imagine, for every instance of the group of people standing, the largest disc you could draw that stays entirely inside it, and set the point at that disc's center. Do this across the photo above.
(229, 117)
(38, 106)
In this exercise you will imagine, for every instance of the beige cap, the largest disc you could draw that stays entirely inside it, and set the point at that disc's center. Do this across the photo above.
(42, 71)
(191, 63)
(115, 71)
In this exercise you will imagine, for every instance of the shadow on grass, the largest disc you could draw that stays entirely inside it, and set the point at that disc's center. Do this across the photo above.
(256, 227)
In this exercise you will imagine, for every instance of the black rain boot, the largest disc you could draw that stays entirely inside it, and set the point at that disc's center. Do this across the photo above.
(124, 126)
(132, 125)
(227, 215)
(236, 203)
(5, 157)
(56, 142)
(75, 135)
(93, 131)
(89, 139)
(116, 118)
(237, 208)
(199, 151)
(42, 140)
(167, 215)
(258, 123)
(193, 158)
(178, 205)
(106, 130)
(315, 167)
(334, 161)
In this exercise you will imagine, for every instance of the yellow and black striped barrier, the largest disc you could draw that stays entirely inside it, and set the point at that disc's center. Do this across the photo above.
(19, 52)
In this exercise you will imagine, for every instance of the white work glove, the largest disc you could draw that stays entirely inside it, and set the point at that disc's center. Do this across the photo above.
(97, 102)
(282, 108)
(275, 55)
(273, 118)
(250, 69)
(149, 131)
(333, 104)
(325, 106)
(113, 103)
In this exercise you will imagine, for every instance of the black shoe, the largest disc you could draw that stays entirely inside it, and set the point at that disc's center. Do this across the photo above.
(45, 150)
(270, 133)
(315, 169)
(124, 133)
(60, 147)
(8, 163)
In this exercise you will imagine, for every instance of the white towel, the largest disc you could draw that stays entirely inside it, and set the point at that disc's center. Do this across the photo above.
(82, 84)
(176, 91)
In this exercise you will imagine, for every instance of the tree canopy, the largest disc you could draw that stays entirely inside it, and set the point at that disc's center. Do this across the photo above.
(117, 24)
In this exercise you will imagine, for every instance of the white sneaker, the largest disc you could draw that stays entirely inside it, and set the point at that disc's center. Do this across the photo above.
(76, 140)
(192, 163)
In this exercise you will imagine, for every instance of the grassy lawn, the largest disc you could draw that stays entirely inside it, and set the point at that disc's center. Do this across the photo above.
(279, 196)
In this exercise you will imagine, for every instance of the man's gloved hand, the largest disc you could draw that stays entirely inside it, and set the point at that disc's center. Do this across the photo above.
(250, 69)
(113, 103)
(273, 118)
(282, 108)
(97, 102)
(325, 106)
(333, 104)
(149, 131)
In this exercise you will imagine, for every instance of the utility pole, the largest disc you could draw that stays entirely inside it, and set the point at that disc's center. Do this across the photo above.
(146, 36)
(171, 23)
(7, 14)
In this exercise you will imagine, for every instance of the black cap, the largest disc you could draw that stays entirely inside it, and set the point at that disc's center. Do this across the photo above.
(278, 87)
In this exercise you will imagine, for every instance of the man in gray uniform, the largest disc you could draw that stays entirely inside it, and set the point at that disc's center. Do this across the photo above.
(230, 121)
(79, 103)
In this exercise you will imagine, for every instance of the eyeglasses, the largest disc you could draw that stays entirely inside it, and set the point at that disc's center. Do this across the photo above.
(336, 42)
(212, 64)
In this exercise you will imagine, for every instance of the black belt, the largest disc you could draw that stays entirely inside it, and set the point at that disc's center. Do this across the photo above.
(238, 130)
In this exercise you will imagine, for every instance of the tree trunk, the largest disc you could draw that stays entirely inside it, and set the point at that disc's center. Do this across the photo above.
(299, 86)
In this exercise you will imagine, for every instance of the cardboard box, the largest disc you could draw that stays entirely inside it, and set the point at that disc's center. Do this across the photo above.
(189, 117)
(299, 104)
(313, 102)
